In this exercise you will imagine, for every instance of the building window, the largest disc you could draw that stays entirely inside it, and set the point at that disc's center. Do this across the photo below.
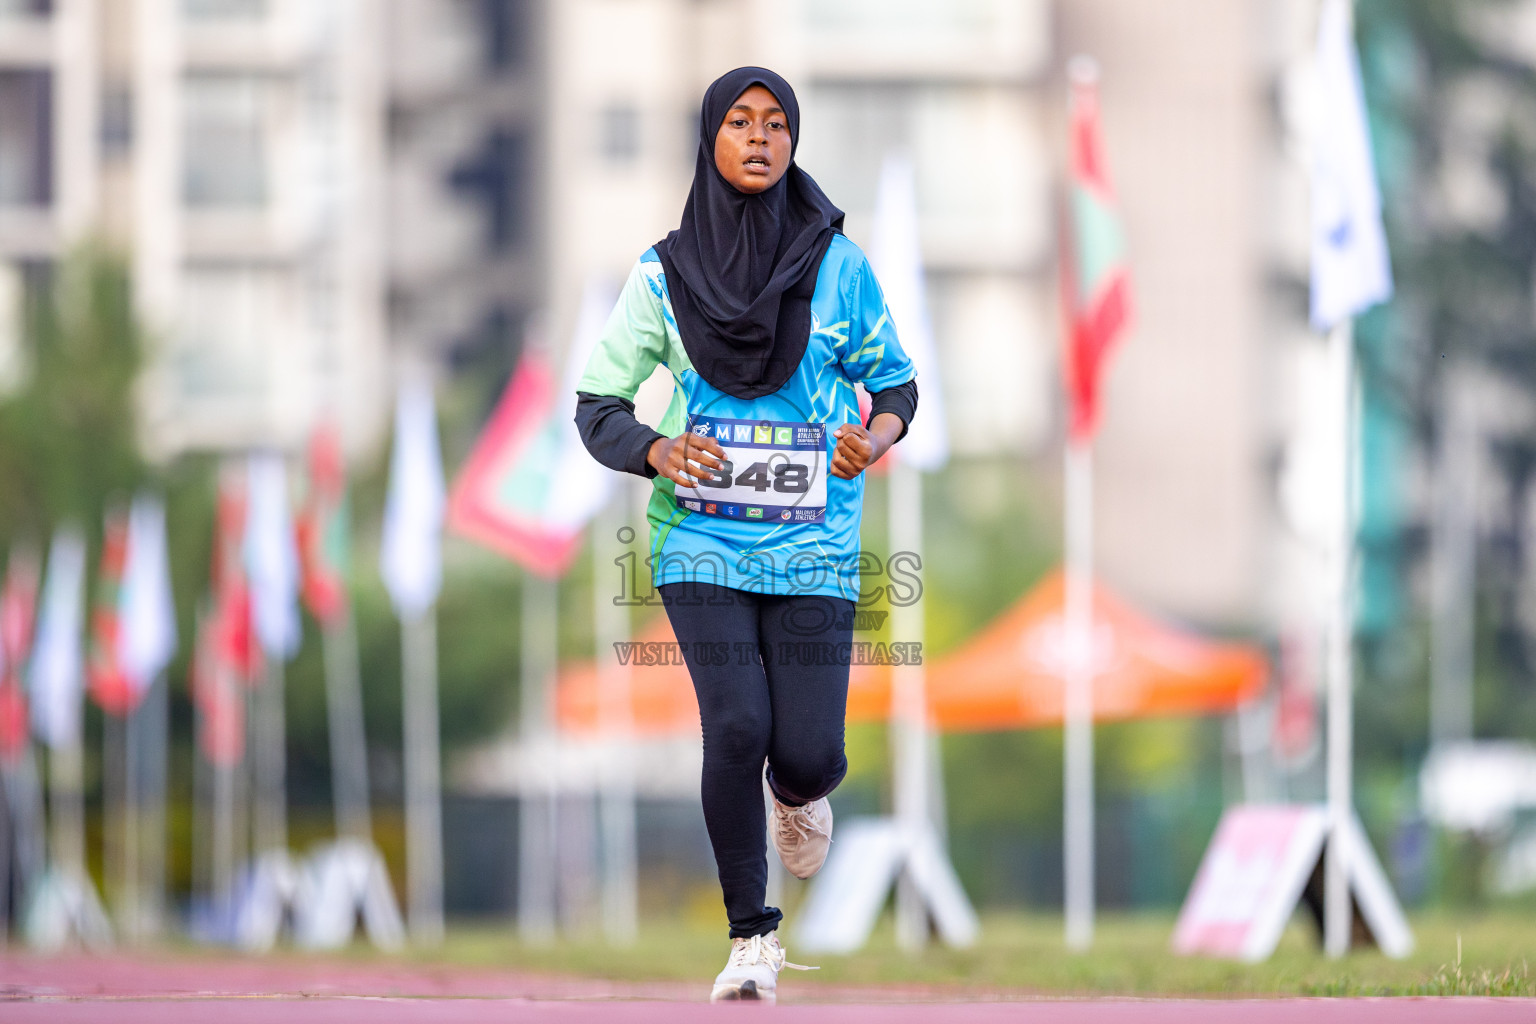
(224, 141)
(505, 23)
(215, 10)
(26, 138)
(219, 356)
(496, 177)
(116, 121)
(619, 126)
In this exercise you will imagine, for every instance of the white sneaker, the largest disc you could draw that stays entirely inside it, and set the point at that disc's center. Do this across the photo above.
(802, 835)
(752, 972)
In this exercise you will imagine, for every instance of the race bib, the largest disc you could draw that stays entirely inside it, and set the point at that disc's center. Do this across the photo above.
(774, 472)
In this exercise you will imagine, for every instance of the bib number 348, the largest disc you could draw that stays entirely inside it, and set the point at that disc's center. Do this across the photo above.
(786, 477)
(772, 472)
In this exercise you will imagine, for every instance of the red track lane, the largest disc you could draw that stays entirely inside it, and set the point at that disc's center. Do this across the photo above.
(497, 1011)
(294, 990)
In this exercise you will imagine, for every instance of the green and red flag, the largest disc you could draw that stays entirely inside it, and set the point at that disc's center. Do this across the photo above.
(1095, 278)
(501, 497)
(529, 486)
(18, 608)
(322, 528)
(234, 639)
(108, 682)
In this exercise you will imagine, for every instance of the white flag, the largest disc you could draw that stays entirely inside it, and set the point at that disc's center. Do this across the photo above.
(411, 559)
(897, 257)
(57, 665)
(147, 639)
(271, 556)
(583, 485)
(1350, 268)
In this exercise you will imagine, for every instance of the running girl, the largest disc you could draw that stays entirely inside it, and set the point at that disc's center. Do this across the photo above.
(766, 316)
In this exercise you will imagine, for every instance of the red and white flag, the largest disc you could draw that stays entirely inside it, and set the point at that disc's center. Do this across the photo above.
(322, 528)
(1095, 278)
(18, 606)
(233, 637)
(108, 683)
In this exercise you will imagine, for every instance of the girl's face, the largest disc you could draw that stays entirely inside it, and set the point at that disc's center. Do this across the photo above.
(752, 145)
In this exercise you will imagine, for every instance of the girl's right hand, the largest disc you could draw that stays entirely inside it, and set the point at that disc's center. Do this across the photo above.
(679, 458)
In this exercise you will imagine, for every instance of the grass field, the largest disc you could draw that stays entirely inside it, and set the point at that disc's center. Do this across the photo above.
(1468, 954)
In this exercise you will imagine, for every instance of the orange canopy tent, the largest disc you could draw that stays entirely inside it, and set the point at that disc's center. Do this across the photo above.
(1009, 676)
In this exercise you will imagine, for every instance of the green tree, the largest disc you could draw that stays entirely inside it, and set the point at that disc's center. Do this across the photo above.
(1464, 297)
(68, 434)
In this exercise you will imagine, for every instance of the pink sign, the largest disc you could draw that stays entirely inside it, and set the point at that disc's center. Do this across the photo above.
(1249, 880)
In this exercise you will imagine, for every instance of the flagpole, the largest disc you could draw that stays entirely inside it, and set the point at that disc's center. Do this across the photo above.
(271, 821)
(909, 704)
(145, 643)
(1336, 908)
(220, 773)
(57, 677)
(225, 842)
(272, 569)
(611, 627)
(7, 837)
(114, 819)
(1453, 564)
(242, 788)
(132, 909)
(202, 799)
(423, 807)
(158, 711)
(411, 563)
(66, 772)
(64, 780)
(32, 839)
(537, 807)
(348, 735)
(1336, 893)
(1077, 832)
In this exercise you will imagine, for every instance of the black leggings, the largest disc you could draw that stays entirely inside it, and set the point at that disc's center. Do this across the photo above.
(771, 674)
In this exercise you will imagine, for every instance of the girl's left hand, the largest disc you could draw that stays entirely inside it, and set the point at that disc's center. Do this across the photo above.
(859, 447)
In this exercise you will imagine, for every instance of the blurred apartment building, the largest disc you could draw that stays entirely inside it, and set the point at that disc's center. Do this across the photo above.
(308, 186)
(233, 149)
(49, 144)
(466, 178)
(961, 87)
(298, 179)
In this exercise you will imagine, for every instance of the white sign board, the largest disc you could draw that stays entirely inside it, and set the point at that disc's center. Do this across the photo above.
(850, 890)
(1254, 872)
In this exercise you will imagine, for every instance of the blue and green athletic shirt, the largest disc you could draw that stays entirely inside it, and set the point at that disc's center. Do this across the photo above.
(785, 525)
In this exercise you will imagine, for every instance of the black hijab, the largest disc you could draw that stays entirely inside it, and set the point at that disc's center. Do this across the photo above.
(741, 268)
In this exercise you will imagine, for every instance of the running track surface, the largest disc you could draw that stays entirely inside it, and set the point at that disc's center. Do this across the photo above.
(293, 991)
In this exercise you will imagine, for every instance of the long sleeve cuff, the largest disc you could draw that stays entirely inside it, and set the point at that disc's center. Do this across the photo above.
(612, 434)
(900, 401)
